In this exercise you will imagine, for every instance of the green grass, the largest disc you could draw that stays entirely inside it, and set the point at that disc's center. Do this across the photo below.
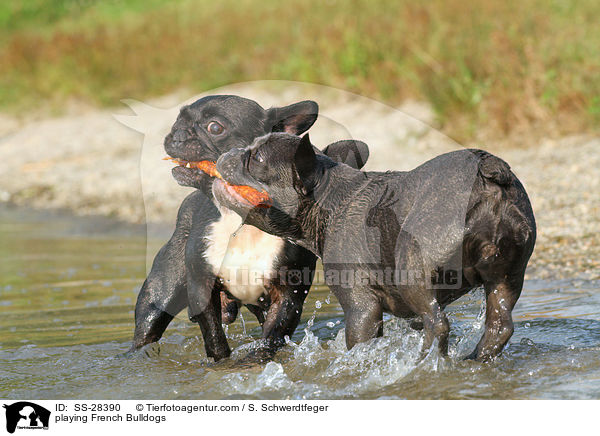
(499, 67)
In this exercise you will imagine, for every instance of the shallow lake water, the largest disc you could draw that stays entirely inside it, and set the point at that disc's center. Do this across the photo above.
(67, 293)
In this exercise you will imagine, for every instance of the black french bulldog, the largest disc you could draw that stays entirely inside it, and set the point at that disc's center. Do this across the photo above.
(199, 266)
(406, 243)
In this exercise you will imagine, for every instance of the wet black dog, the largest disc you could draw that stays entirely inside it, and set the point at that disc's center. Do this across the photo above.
(201, 266)
(407, 243)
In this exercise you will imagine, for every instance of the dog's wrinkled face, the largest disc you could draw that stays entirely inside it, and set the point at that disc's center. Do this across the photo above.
(213, 125)
(287, 169)
(263, 167)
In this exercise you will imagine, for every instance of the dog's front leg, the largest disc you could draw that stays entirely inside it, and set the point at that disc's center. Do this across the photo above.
(204, 300)
(281, 320)
(163, 294)
(158, 302)
(284, 313)
(204, 305)
(229, 309)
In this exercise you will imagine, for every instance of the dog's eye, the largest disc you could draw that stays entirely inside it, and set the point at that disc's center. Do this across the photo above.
(215, 128)
(258, 157)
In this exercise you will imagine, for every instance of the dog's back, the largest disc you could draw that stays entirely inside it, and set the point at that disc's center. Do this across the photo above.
(463, 210)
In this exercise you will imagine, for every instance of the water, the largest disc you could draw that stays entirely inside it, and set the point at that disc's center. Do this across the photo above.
(67, 293)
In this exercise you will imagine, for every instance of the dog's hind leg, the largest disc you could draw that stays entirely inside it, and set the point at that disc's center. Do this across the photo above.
(363, 315)
(435, 324)
(500, 300)
(416, 293)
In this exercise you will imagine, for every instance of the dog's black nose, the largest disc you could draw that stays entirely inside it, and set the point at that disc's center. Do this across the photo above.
(180, 136)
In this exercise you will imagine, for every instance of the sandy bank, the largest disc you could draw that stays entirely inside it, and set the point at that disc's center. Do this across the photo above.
(92, 163)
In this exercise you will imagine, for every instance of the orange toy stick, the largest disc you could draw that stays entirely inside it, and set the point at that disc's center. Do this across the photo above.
(251, 195)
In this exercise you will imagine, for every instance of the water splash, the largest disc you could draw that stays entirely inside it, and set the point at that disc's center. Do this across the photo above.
(315, 368)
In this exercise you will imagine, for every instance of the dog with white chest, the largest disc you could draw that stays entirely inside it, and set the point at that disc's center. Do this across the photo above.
(212, 265)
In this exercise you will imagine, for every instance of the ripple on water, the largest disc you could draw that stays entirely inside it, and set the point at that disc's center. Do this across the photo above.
(52, 350)
(536, 364)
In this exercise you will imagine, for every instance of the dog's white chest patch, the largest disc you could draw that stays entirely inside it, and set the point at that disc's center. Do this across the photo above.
(242, 256)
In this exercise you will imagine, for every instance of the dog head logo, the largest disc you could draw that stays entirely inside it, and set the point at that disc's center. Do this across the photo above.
(26, 415)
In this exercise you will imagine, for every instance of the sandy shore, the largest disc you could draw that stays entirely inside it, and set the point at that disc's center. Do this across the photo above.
(92, 163)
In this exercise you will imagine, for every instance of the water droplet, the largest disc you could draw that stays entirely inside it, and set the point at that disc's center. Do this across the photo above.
(243, 321)
(527, 341)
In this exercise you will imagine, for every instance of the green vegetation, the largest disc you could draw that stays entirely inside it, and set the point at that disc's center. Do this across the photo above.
(496, 66)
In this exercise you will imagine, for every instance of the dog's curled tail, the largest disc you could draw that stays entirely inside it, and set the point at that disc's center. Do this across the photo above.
(493, 168)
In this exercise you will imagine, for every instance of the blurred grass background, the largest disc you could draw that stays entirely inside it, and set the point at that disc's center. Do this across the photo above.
(500, 68)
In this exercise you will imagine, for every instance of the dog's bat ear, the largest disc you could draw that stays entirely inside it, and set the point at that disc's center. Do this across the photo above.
(305, 161)
(295, 119)
(349, 151)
